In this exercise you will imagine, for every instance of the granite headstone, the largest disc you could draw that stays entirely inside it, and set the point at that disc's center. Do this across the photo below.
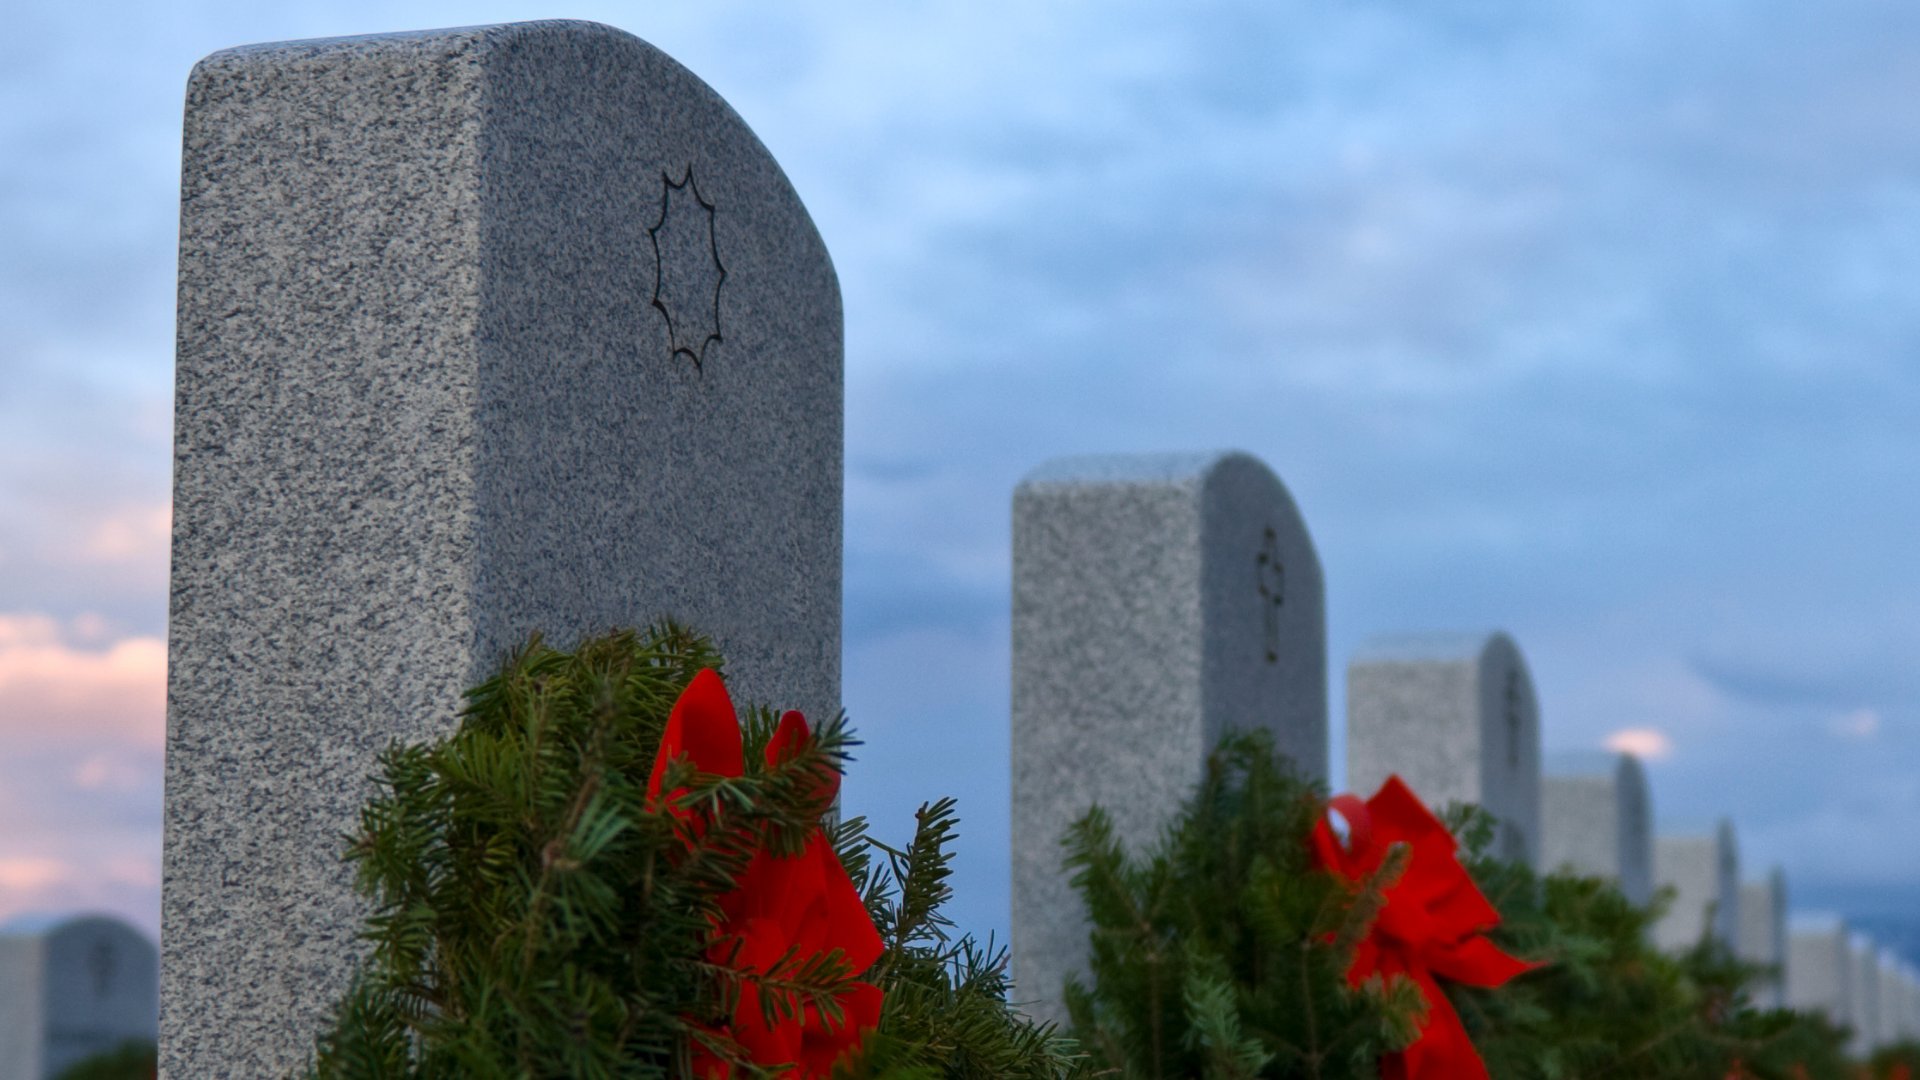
(1893, 1002)
(1866, 995)
(1763, 934)
(1159, 602)
(1455, 716)
(1820, 967)
(1704, 872)
(1595, 819)
(72, 986)
(1909, 1002)
(481, 332)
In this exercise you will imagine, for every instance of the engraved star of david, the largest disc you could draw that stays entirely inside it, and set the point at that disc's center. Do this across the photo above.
(1273, 591)
(687, 273)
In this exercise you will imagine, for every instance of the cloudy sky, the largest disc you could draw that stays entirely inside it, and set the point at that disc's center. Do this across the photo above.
(1593, 321)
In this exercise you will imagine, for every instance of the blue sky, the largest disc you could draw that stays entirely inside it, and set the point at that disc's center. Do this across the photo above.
(1595, 321)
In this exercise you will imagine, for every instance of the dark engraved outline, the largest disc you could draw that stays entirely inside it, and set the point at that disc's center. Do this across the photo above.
(1271, 601)
(102, 963)
(659, 270)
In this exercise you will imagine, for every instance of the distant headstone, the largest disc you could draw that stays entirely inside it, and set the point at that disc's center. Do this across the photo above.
(1455, 716)
(1159, 602)
(1820, 967)
(1595, 819)
(1763, 934)
(1893, 1000)
(481, 332)
(1896, 998)
(1704, 872)
(1910, 980)
(1866, 996)
(72, 986)
(1909, 1003)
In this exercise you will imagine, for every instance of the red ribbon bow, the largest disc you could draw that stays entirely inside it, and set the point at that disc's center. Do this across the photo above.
(1430, 928)
(804, 902)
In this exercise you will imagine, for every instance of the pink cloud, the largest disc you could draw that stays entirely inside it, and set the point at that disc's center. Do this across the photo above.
(1647, 744)
(32, 874)
(130, 534)
(126, 884)
(108, 772)
(53, 691)
(1860, 724)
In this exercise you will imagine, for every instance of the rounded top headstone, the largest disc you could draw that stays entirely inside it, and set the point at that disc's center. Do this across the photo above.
(1454, 715)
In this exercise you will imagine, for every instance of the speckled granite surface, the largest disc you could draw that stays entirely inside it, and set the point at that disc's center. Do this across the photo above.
(1703, 869)
(1763, 934)
(1820, 968)
(1456, 717)
(480, 331)
(1864, 967)
(1159, 601)
(1595, 817)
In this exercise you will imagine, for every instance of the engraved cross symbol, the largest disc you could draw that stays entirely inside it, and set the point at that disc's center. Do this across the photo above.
(1513, 719)
(687, 273)
(102, 962)
(1272, 578)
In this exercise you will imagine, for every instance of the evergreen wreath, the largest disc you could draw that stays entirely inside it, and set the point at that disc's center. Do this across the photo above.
(540, 910)
(1222, 950)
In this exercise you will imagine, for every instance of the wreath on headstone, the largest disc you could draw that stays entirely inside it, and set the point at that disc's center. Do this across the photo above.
(1263, 936)
(603, 872)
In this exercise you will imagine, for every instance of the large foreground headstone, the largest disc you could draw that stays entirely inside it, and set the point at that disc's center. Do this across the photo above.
(1763, 934)
(1704, 872)
(1159, 602)
(1455, 716)
(1595, 819)
(1820, 967)
(72, 986)
(481, 332)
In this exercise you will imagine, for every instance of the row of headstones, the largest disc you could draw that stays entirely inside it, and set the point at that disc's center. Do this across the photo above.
(1847, 975)
(1162, 601)
(1819, 962)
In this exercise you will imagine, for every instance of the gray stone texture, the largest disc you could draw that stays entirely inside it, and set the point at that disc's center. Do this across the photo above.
(1456, 717)
(1763, 934)
(1907, 1011)
(1704, 872)
(1820, 967)
(1159, 602)
(481, 332)
(1909, 1002)
(1866, 995)
(1903, 1027)
(1893, 1004)
(72, 986)
(1595, 819)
